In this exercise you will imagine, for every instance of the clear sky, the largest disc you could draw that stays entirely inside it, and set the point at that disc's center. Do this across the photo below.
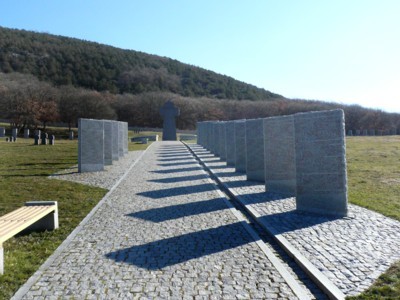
(344, 51)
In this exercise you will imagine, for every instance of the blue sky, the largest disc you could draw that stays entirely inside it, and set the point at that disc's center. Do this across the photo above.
(342, 51)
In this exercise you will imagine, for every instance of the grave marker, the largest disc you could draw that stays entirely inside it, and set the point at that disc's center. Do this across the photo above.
(280, 155)
(321, 162)
(169, 112)
(230, 143)
(90, 145)
(255, 150)
(240, 145)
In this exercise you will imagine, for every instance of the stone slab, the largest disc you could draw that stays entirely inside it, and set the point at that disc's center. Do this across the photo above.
(120, 139)
(321, 162)
(215, 144)
(115, 140)
(222, 140)
(169, 112)
(240, 145)
(255, 150)
(230, 143)
(108, 142)
(280, 155)
(90, 145)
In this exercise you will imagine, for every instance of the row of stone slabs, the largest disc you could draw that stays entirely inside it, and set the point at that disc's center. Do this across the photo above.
(37, 132)
(100, 142)
(301, 155)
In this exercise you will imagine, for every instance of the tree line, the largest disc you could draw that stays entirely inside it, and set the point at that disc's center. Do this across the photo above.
(30, 103)
(67, 61)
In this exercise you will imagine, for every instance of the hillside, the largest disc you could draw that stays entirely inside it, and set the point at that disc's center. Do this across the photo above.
(46, 79)
(68, 61)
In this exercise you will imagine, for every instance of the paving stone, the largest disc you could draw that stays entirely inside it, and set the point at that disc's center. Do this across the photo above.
(163, 226)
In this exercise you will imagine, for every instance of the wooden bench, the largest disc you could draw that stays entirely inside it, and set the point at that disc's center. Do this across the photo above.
(34, 216)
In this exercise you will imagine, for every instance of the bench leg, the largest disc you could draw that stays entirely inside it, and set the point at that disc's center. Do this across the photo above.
(49, 222)
(1, 260)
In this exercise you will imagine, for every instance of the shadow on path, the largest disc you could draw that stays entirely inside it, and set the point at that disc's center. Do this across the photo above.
(193, 162)
(294, 220)
(176, 158)
(180, 179)
(168, 171)
(167, 252)
(178, 191)
(172, 212)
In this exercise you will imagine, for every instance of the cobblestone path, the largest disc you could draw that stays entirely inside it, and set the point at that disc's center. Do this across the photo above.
(162, 233)
(351, 252)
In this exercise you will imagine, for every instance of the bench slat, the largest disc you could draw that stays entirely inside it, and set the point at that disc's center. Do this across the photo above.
(22, 218)
(25, 213)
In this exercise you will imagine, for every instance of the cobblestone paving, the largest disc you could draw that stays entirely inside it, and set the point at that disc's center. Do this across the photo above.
(352, 252)
(163, 233)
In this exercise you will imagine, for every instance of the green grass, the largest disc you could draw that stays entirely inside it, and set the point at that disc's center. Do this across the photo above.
(387, 286)
(23, 177)
(136, 146)
(373, 165)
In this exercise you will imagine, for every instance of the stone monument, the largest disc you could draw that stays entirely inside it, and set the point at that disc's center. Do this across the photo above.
(14, 132)
(255, 150)
(321, 162)
(108, 142)
(280, 155)
(169, 112)
(240, 145)
(26, 133)
(43, 138)
(222, 140)
(90, 145)
(230, 143)
(52, 139)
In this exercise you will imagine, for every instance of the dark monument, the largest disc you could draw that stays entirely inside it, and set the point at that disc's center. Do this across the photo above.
(169, 112)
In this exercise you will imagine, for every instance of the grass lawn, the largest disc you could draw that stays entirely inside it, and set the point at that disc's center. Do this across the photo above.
(23, 177)
(373, 165)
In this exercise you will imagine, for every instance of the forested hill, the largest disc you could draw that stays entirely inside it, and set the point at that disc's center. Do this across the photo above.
(69, 61)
